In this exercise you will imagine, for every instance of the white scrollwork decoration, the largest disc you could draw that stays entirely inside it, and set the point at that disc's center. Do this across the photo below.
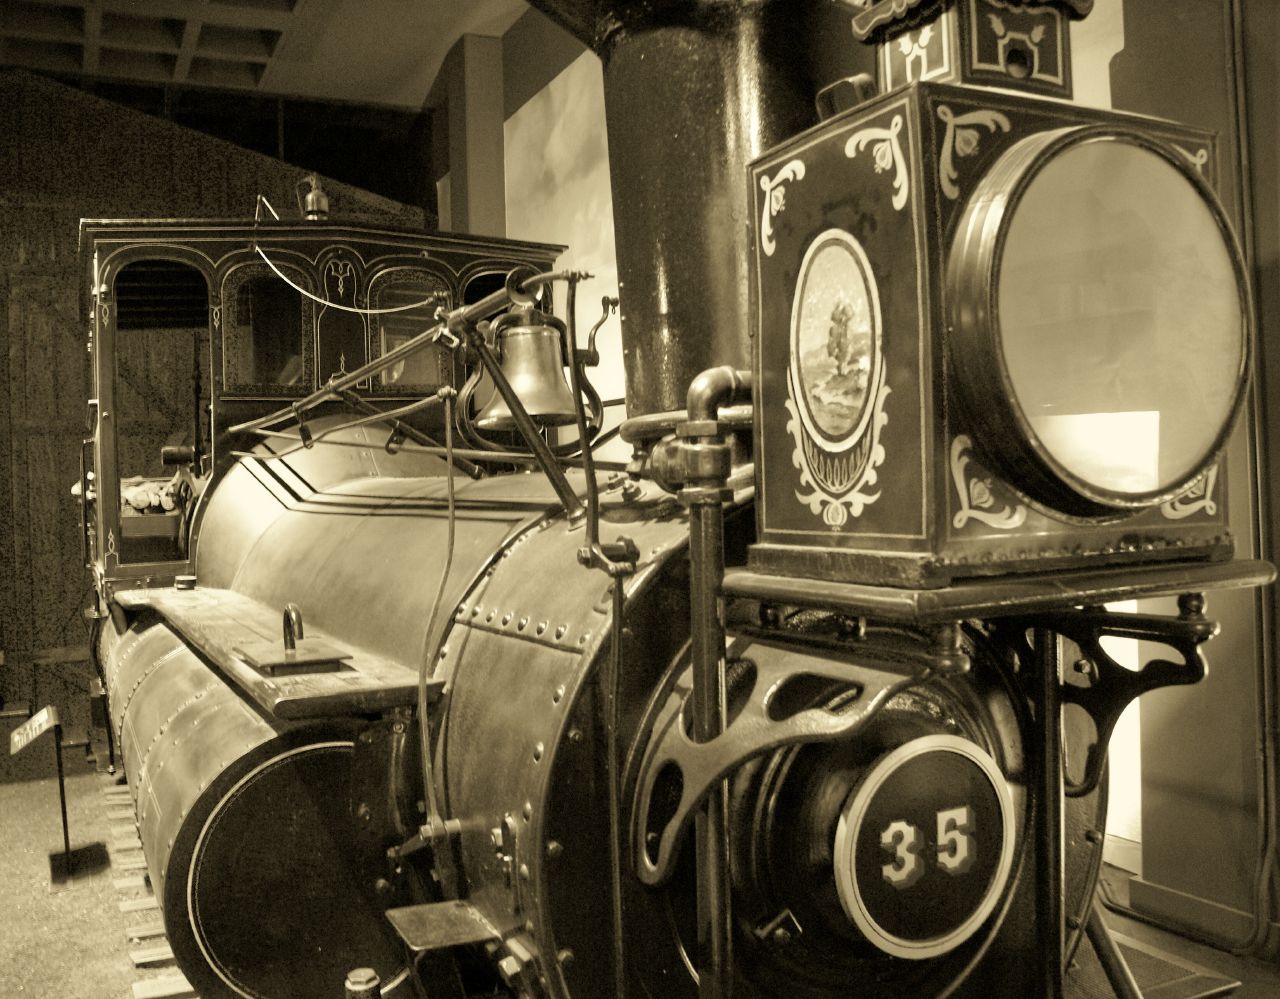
(775, 200)
(341, 269)
(887, 152)
(217, 316)
(977, 498)
(1198, 497)
(961, 139)
(1197, 159)
(111, 545)
(916, 53)
(836, 510)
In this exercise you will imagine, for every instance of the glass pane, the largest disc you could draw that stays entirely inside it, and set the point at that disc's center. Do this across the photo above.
(161, 399)
(264, 343)
(397, 288)
(1120, 317)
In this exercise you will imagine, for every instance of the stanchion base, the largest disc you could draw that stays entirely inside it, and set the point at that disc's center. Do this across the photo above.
(67, 868)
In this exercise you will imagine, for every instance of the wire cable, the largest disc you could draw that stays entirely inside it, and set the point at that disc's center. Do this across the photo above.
(432, 299)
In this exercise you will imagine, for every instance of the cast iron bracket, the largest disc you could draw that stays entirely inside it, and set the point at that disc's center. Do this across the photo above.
(877, 675)
(1111, 686)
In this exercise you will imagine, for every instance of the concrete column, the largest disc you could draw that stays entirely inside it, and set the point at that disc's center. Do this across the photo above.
(472, 75)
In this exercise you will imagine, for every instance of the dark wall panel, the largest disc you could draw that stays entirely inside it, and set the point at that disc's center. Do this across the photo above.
(67, 155)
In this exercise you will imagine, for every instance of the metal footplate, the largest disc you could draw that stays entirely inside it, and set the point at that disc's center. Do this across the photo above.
(440, 925)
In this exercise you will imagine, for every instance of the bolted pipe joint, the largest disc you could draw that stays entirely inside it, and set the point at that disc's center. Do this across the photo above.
(704, 457)
(705, 466)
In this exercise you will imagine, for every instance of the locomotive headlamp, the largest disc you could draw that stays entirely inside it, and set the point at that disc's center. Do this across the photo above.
(1098, 320)
(1030, 357)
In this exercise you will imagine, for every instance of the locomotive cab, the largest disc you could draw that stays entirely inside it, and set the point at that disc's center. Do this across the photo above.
(197, 326)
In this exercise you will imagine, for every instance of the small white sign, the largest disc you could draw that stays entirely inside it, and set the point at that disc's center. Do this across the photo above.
(31, 729)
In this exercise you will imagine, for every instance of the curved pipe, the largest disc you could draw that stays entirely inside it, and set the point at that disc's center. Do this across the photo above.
(292, 627)
(716, 387)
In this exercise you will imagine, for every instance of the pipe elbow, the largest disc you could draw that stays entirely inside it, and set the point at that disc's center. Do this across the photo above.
(292, 626)
(717, 387)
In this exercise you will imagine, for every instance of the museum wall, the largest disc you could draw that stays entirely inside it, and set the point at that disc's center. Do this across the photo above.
(557, 184)
(1200, 745)
(67, 155)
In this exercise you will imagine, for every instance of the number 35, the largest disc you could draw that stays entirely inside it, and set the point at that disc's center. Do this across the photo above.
(957, 848)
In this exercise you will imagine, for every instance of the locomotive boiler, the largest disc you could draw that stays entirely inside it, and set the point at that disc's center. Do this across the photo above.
(405, 679)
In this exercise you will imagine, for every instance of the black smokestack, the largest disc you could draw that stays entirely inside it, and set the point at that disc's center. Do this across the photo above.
(694, 89)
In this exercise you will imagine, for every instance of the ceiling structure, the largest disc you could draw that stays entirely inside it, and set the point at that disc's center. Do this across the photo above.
(385, 53)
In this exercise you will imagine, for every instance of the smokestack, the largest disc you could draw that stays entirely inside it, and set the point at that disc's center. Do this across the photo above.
(694, 89)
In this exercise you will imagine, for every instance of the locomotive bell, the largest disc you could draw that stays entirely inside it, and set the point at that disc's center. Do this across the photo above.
(530, 346)
(315, 203)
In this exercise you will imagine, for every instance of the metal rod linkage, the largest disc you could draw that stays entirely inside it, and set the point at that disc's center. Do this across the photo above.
(1113, 963)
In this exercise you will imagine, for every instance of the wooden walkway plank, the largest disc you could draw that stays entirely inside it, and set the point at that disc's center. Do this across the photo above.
(139, 904)
(144, 931)
(155, 954)
(168, 987)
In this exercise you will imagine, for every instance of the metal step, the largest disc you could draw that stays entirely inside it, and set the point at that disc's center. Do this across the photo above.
(441, 924)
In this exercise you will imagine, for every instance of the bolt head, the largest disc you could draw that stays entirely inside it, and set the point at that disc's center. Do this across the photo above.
(362, 978)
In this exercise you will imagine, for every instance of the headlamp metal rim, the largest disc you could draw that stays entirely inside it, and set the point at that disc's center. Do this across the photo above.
(1005, 439)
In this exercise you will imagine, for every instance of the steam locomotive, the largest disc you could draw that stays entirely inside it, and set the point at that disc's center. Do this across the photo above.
(413, 690)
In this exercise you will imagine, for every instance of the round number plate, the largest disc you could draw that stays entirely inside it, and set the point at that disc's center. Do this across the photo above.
(924, 846)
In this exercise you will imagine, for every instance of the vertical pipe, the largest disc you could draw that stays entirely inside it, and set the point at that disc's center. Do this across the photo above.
(1050, 915)
(616, 848)
(706, 557)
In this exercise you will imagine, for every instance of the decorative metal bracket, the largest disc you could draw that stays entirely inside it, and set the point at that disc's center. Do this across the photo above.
(1111, 686)
(879, 673)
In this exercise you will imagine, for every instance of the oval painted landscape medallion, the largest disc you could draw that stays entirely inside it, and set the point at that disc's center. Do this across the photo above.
(835, 341)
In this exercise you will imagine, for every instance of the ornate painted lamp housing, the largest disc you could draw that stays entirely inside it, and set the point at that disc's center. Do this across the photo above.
(1024, 44)
(995, 333)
